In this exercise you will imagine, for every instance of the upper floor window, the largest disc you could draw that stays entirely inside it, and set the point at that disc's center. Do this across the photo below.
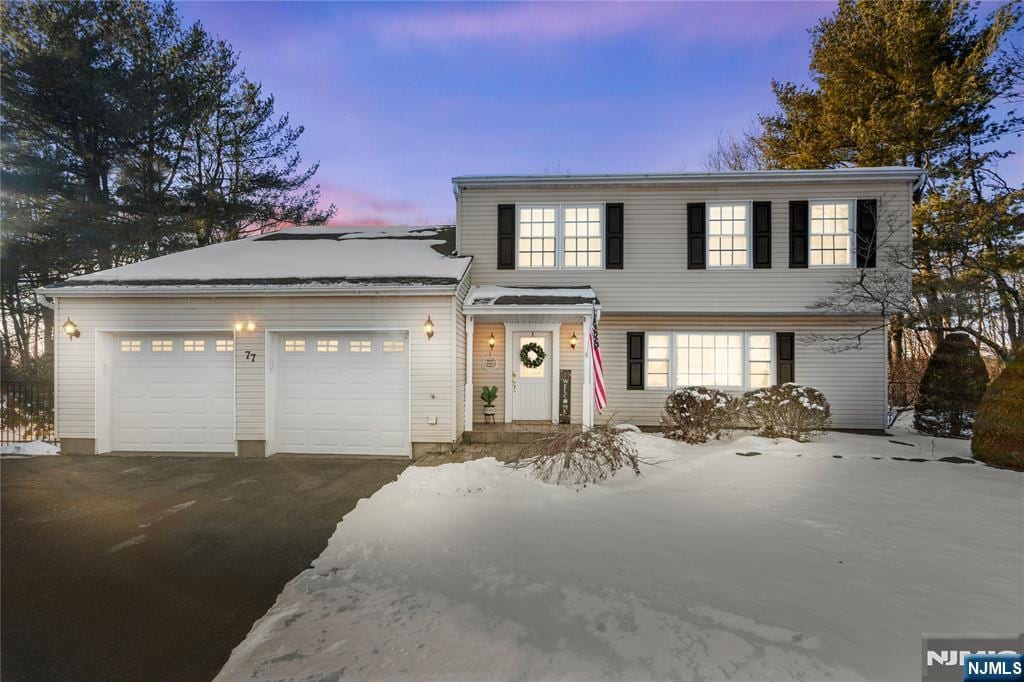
(728, 235)
(537, 233)
(831, 231)
(582, 237)
(561, 236)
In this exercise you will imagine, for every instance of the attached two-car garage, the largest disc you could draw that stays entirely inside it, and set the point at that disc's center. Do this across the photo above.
(328, 392)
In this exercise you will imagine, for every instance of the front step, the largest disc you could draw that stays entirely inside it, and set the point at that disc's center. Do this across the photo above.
(509, 434)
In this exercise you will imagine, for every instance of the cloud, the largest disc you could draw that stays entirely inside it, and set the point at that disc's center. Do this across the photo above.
(360, 207)
(533, 23)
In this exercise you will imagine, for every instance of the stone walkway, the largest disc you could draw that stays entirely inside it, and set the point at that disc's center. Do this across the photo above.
(470, 451)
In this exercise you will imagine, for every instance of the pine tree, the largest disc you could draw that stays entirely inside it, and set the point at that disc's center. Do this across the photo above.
(916, 82)
(999, 428)
(951, 388)
(126, 136)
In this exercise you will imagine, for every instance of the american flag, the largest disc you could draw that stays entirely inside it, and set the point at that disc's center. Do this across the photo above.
(600, 395)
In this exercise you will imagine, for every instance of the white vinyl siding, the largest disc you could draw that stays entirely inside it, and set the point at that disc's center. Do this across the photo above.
(431, 393)
(854, 381)
(655, 278)
(831, 233)
(728, 235)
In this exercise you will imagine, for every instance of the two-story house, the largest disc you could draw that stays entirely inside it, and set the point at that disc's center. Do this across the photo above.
(378, 340)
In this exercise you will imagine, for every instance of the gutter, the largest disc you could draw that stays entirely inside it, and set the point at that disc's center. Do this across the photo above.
(903, 173)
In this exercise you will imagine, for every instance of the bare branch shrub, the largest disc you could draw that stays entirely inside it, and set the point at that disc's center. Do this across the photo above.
(579, 456)
(696, 414)
(787, 411)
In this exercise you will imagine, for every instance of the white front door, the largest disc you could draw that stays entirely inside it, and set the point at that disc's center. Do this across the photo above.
(531, 386)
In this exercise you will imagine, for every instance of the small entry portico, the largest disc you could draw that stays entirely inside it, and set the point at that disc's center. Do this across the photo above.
(532, 387)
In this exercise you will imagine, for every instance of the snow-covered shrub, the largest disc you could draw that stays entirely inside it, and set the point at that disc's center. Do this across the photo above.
(787, 411)
(696, 414)
(999, 427)
(951, 389)
(579, 456)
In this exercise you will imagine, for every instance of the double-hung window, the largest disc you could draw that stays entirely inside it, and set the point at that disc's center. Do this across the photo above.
(733, 360)
(831, 231)
(560, 236)
(729, 235)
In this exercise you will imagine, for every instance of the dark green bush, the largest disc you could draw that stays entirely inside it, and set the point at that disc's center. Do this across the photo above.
(999, 426)
(951, 389)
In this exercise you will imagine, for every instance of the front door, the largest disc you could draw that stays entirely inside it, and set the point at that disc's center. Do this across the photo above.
(531, 386)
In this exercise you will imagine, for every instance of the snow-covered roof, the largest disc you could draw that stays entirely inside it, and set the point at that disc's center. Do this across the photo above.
(489, 295)
(302, 258)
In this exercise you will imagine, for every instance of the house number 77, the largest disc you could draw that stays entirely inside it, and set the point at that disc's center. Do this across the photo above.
(250, 356)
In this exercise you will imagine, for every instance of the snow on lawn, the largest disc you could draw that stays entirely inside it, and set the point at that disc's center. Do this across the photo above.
(809, 561)
(33, 448)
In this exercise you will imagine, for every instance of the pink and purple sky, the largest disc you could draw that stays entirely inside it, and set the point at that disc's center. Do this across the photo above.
(396, 98)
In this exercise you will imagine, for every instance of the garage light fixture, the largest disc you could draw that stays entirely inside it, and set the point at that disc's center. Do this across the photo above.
(248, 326)
(573, 341)
(490, 342)
(71, 329)
(428, 328)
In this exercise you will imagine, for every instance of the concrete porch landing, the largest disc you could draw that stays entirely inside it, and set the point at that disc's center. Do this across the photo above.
(501, 441)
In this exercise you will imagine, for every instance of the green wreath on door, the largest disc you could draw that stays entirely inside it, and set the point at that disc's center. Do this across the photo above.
(532, 355)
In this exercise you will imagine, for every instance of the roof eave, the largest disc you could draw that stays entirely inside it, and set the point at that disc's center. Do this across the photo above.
(895, 173)
(221, 291)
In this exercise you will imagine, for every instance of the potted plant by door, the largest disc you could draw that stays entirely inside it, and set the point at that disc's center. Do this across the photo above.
(488, 394)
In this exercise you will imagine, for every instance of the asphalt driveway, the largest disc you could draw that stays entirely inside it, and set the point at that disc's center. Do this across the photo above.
(154, 568)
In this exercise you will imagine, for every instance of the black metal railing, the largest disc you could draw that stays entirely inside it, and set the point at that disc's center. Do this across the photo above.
(26, 412)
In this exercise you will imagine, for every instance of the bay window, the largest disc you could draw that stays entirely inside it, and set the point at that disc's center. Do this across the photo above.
(728, 235)
(565, 236)
(831, 233)
(735, 361)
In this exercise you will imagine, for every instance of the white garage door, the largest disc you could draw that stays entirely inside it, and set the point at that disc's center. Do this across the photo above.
(342, 393)
(173, 393)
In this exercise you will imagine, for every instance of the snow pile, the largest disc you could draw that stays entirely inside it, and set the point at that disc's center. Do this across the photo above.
(489, 295)
(33, 448)
(822, 560)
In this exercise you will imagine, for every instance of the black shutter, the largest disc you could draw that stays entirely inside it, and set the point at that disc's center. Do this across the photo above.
(798, 234)
(635, 361)
(785, 357)
(506, 236)
(613, 220)
(762, 234)
(867, 238)
(696, 230)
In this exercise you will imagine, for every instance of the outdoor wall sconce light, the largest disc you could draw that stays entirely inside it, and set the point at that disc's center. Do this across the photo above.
(71, 329)
(491, 342)
(248, 326)
(573, 341)
(428, 328)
